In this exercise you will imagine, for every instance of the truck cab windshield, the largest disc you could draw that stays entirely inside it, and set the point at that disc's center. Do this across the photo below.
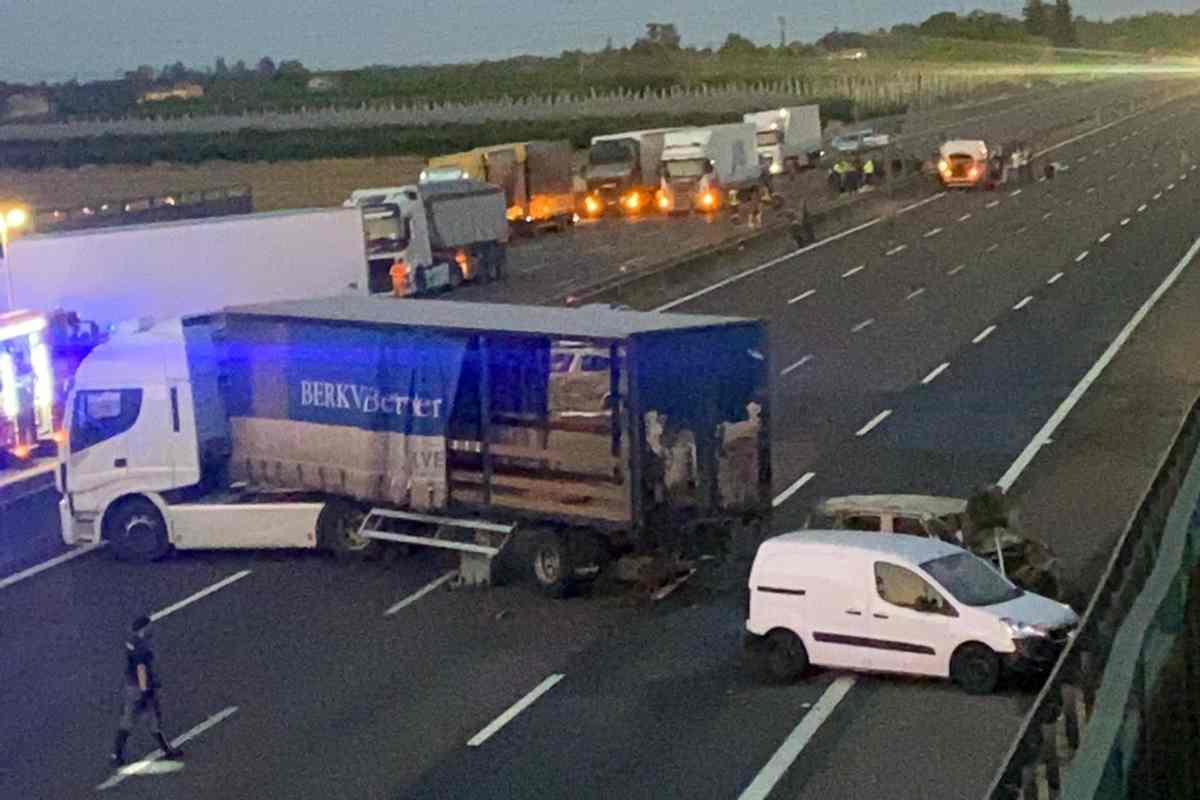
(385, 234)
(685, 168)
(616, 151)
(768, 138)
(970, 580)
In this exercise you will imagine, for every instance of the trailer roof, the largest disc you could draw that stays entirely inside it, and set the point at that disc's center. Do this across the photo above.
(593, 321)
(224, 219)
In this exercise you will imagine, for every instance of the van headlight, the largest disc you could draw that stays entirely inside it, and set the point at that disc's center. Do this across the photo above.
(1023, 630)
(776, 168)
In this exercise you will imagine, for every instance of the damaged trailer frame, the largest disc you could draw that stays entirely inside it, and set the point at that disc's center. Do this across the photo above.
(475, 428)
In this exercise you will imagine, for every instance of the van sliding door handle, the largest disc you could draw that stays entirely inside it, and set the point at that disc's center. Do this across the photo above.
(853, 612)
(120, 462)
(880, 616)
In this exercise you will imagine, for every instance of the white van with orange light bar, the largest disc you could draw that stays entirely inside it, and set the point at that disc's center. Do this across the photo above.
(26, 385)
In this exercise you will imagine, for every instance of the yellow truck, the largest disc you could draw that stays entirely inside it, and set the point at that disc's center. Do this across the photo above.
(536, 177)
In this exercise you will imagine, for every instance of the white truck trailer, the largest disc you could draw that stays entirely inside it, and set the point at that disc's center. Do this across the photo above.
(788, 138)
(702, 167)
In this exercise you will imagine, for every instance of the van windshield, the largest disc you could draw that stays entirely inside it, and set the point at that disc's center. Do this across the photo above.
(971, 580)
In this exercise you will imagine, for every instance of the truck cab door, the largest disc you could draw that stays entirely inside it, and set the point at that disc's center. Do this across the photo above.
(98, 453)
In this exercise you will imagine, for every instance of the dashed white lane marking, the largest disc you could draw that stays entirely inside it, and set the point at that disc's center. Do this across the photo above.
(1105, 238)
(783, 496)
(1081, 256)
(992, 204)
(200, 595)
(513, 710)
(419, 593)
(933, 373)
(1170, 187)
(1097, 151)
(866, 323)
(766, 779)
(797, 365)
(854, 271)
(1014, 193)
(993, 247)
(1042, 179)
(1022, 229)
(802, 296)
(983, 334)
(1054, 278)
(1141, 208)
(1081, 158)
(1024, 301)
(964, 218)
(141, 766)
(900, 248)
(1090, 189)
(1048, 215)
(1043, 436)
(1158, 196)
(914, 293)
(870, 426)
(1124, 222)
(70, 555)
(932, 233)
(1112, 177)
(956, 270)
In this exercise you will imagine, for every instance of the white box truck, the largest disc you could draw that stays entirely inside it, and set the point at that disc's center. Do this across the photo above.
(622, 172)
(701, 167)
(788, 138)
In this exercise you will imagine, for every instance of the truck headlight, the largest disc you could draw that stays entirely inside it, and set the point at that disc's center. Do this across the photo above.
(591, 205)
(776, 168)
(1023, 630)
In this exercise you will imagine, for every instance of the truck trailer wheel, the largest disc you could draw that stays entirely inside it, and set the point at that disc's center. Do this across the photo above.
(136, 531)
(337, 531)
(553, 564)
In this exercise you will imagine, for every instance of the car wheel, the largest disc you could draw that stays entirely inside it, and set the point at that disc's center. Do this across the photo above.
(786, 657)
(975, 668)
(136, 531)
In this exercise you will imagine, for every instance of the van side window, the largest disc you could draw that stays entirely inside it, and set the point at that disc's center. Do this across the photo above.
(907, 589)
(101, 415)
(862, 522)
(909, 526)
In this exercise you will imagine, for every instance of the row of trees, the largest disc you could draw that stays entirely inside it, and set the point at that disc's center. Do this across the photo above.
(1055, 22)
(265, 69)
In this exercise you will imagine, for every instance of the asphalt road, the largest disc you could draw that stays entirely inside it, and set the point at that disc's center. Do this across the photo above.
(336, 698)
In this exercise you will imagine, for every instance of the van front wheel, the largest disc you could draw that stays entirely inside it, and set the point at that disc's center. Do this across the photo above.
(786, 657)
(975, 668)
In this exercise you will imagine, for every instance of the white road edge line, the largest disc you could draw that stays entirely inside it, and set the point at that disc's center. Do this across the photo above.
(850, 272)
(915, 293)
(1042, 437)
(54, 562)
(783, 496)
(798, 364)
(870, 426)
(1054, 278)
(513, 710)
(983, 334)
(140, 766)
(200, 595)
(419, 593)
(1081, 256)
(797, 740)
(1105, 238)
(1024, 301)
(802, 296)
(933, 373)
(932, 232)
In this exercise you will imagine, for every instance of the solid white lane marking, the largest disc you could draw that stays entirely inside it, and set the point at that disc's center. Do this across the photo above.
(870, 426)
(141, 765)
(956, 270)
(864, 324)
(900, 248)
(964, 218)
(1124, 222)
(70, 555)
(513, 710)
(854, 271)
(417, 595)
(933, 373)
(798, 364)
(992, 204)
(200, 595)
(993, 247)
(1024, 301)
(1081, 256)
(1105, 238)
(1054, 278)
(1014, 193)
(1048, 215)
(1141, 208)
(783, 496)
(797, 740)
(933, 232)
(802, 296)
(915, 293)
(1042, 437)
(983, 334)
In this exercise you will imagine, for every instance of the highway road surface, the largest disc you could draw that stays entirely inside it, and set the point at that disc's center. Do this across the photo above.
(1044, 335)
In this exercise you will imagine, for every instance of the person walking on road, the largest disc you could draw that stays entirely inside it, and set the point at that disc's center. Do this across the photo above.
(139, 698)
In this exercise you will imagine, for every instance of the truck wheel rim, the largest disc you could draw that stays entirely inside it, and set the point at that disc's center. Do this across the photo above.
(353, 539)
(548, 565)
(142, 533)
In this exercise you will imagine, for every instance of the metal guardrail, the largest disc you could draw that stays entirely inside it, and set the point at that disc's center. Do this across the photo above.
(164, 207)
(1091, 713)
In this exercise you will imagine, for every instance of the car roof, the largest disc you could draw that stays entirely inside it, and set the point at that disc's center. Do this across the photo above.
(894, 503)
(913, 549)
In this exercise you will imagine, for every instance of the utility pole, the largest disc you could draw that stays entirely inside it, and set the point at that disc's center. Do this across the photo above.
(782, 33)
